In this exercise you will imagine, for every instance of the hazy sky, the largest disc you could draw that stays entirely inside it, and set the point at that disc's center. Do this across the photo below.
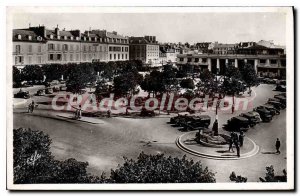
(171, 27)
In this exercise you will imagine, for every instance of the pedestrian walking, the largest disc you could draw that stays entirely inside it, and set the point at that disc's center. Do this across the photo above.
(231, 145)
(215, 128)
(241, 139)
(238, 151)
(277, 145)
(79, 112)
(108, 113)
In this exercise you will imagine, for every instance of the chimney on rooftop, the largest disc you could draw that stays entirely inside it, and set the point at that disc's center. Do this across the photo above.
(57, 30)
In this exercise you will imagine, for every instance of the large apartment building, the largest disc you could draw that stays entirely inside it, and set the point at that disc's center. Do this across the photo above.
(145, 49)
(38, 46)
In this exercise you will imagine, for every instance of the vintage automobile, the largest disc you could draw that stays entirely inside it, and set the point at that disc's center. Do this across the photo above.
(22, 94)
(48, 91)
(282, 99)
(147, 113)
(197, 122)
(265, 114)
(40, 92)
(271, 108)
(281, 88)
(237, 124)
(55, 89)
(276, 103)
(253, 117)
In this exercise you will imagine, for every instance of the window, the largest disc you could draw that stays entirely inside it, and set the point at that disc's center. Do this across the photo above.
(29, 37)
(29, 59)
(122, 49)
(58, 57)
(77, 57)
(90, 48)
(65, 57)
(196, 60)
(273, 61)
(65, 47)
(77, 48)
(18, 49)
(118, 56)
(110, 56)
(51, 57)
(84, 57)
(204, 60)
(189, 60)
(19, 60)
(58, 47)
(100, 48)
(50, 46)
(71, 57)
(84, 48)
(125, 56)
(262, 61)
(39, 59)
(122, 56)
(19, 36)
(71, 47)
(30, 48)
(115, 56)
(39, 48)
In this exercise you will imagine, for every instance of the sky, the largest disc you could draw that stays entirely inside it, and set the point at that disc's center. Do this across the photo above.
(170, 27)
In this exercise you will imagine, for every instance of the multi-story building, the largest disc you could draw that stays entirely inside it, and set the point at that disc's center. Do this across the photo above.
(38, 45)
(224, 48)
(170, 51)
(117, 45)
(145, 49)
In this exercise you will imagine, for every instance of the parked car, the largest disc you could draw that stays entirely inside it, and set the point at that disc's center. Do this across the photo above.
(40, 92)
(253, 117)
(276, 103)
(22, 94)
(147, 113)
(271, 108)
(55, 89)
(265, 114)
(282, 99)
(62, 88)
(280, 88)
(48, 91)
(197, 122)
(237, 124)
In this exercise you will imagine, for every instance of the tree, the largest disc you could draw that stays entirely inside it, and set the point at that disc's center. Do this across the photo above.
(271, 177)
(169, 77)
(32, 73)
(79, 76)
(161, 169)
(17, 77)
(232, 84)
(153, 82)
(34, 163)
(238, 179)
(187, 83)
(249, 75)
(53, 71)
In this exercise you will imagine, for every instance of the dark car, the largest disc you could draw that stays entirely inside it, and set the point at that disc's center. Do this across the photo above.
(265, 114)
(55, 89)
(282, 99)
(237, 124)
(197, 122)
(40, 92)
(280, 88)
(271, 108)
(22, 94)
(253, 117)
(276, 103)
(147, 113)
(48, 91)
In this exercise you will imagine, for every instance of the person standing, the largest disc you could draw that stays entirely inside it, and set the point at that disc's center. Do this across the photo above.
(231, 145)
(241, 138)
(238, 151)
(277, 145)
(215, 128)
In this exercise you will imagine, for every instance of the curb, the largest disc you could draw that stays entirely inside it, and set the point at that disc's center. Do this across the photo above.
(180, 145)
(19, 103)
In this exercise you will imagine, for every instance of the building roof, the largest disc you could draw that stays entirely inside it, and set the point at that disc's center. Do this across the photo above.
(225, 45)
(25, 33)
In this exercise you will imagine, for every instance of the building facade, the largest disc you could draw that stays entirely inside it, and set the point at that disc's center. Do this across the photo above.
(38, 46)
(145, 49)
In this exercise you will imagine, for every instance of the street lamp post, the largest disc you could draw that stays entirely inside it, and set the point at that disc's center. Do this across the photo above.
(216, 124)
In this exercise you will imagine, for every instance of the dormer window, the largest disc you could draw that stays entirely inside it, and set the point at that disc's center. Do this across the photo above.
(77, 38)
(19, 36)
(90, 39)
(95, 39)
(29, 37)
(84, 38)
(51, 36)
(65, 37)
(39, 38)
(58, 37)
(71, 38)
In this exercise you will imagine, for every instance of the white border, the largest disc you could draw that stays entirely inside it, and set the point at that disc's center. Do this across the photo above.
(182, 186)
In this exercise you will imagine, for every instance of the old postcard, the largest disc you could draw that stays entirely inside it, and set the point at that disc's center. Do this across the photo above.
(150, 98)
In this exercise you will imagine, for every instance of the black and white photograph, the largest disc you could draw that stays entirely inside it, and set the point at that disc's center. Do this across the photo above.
(150, 98)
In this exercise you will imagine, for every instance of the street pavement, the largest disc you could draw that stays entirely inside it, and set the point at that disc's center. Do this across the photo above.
(104, 145)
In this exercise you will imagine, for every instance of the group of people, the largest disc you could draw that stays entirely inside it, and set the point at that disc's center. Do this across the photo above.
(237, 140)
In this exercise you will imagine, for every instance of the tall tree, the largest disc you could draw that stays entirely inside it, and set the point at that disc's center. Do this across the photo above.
(17, 77)
(249, 75)
(32, 73)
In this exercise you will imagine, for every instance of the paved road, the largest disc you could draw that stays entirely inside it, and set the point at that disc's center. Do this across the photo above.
(104, 145)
